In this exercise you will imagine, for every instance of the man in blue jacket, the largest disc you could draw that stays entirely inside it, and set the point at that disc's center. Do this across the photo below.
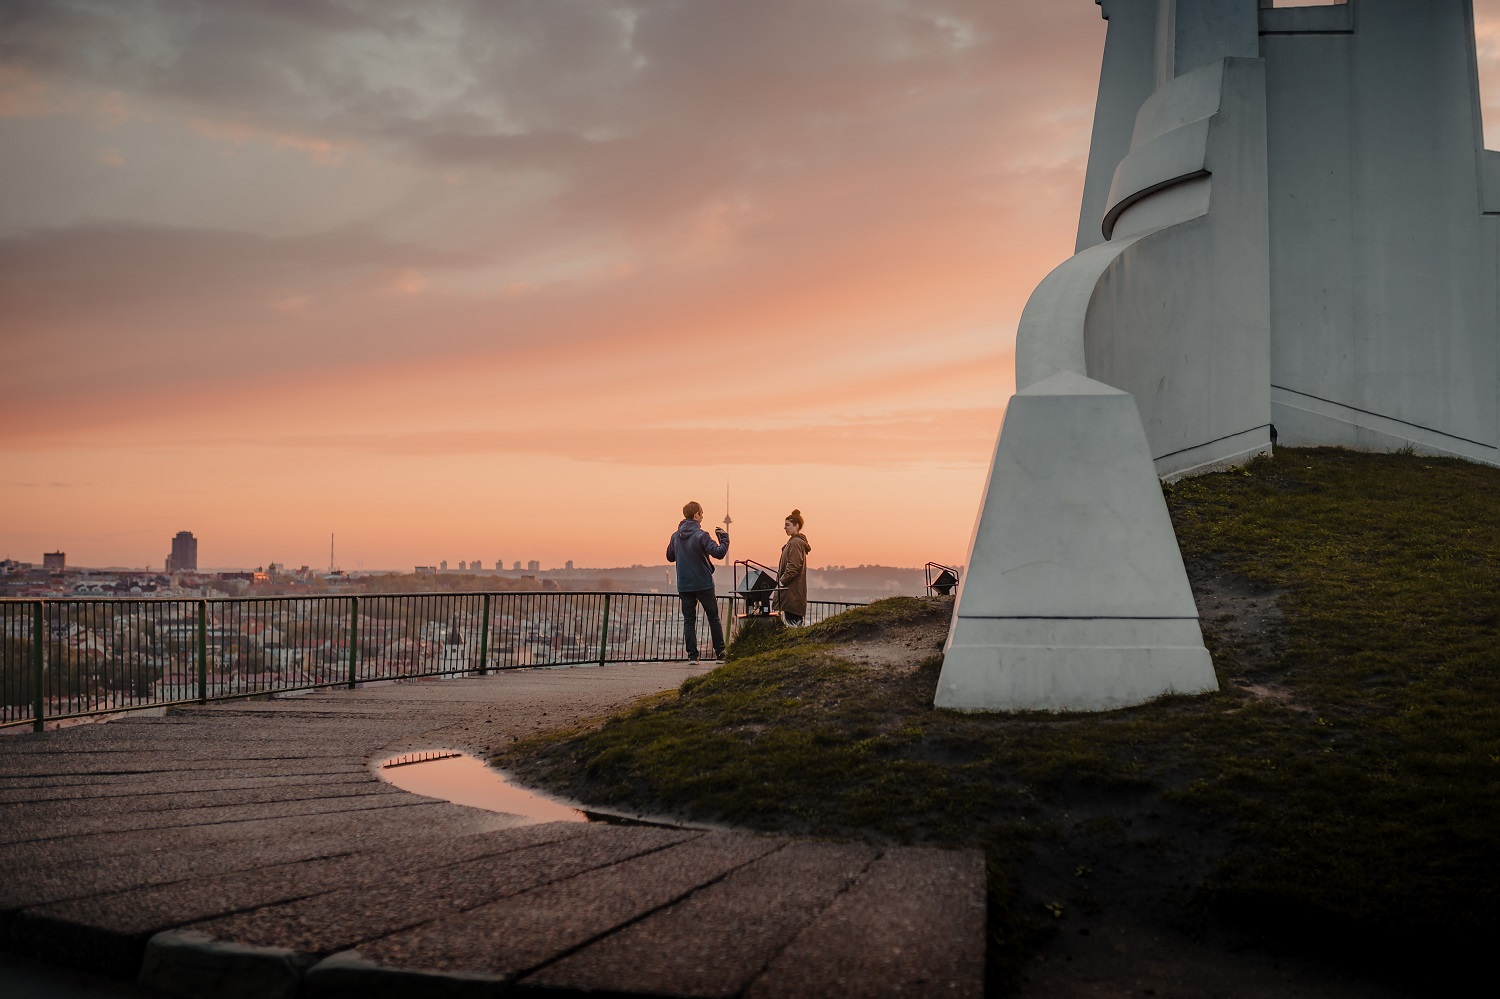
(690, 547)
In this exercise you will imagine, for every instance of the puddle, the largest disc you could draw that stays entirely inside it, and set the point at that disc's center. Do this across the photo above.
(464, 780)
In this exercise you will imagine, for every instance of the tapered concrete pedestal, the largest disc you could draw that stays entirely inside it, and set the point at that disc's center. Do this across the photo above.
(1076, 598)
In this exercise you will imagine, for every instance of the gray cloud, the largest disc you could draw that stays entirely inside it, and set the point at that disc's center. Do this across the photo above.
(483, 69)
(640, 111)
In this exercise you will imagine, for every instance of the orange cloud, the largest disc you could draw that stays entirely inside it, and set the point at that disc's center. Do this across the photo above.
(291, 303)
(325, 152)
(409, 281)
(26, 94)
(23, 94)
(321, 151)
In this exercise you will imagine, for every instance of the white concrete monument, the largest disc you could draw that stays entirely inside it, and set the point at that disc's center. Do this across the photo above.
(1289, 218)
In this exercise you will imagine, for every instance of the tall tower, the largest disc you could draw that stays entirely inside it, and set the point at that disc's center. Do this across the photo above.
(1289, 218)
(184, 557)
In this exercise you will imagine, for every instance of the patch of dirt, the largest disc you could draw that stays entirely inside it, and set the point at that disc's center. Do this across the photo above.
(899, 640)
(1244, 629)
(902, 648)
(1242, 615)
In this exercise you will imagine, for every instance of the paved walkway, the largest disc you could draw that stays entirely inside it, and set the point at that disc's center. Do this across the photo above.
(249, 849)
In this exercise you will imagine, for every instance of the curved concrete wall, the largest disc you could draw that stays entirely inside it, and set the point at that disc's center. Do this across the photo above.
(1180, 318)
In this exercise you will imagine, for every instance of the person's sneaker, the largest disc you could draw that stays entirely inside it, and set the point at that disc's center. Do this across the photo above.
(719, 656)
(692, 657)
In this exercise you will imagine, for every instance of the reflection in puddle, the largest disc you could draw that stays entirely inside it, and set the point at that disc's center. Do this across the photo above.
(463, 780)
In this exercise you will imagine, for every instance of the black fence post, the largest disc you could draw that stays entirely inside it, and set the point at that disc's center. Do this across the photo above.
(604, 632)
(353, 641)
(38, 661)
(484, 636)
(202, 651)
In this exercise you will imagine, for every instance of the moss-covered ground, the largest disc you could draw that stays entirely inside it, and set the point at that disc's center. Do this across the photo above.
(1340, 795)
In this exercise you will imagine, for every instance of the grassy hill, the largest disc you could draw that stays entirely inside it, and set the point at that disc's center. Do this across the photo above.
(1336, 802)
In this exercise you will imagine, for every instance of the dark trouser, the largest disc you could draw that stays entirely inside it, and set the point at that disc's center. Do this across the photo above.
(690, 602)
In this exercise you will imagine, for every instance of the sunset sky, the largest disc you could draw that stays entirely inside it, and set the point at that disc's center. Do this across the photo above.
(514, 280)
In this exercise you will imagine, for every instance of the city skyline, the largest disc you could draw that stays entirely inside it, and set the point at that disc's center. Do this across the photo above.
(491, 279)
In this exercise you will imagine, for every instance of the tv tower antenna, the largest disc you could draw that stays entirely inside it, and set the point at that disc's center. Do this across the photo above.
(333, 566)
(727, 521)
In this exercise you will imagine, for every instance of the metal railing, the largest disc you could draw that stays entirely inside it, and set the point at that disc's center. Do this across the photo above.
(69, 658)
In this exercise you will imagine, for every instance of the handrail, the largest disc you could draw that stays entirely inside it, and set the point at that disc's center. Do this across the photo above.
(148, 598)
(73, 657)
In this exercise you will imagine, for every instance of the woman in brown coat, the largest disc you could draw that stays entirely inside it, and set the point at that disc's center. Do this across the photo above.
(791, 574)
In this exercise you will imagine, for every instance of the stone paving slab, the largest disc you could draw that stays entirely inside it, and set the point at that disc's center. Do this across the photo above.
(107, 772)
(111, 933)
(100, 767)
(249, 835)
(335, 921)
(250, 848)
(51, 881)
(167, 784)
(717, 940)
(118, 925)
(186, 749)
(511, 937)
(906, 928)
(55, 824)
(111, 780)
(118, 801)
(270, 734)
(185, 757)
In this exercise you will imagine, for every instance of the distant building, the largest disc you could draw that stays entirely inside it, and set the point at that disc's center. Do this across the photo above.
(443, 566)
(569, 564)
(476, 566)
(516, 567)
(499, 564)
(184, 557)
(426, 570)
(55, 560)
(462, 565)
(533, 565)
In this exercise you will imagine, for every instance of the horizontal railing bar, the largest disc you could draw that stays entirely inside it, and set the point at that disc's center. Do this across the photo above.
(376, 596)
(273, 691)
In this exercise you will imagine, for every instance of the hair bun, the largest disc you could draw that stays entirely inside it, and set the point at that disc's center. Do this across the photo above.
(796, 513)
